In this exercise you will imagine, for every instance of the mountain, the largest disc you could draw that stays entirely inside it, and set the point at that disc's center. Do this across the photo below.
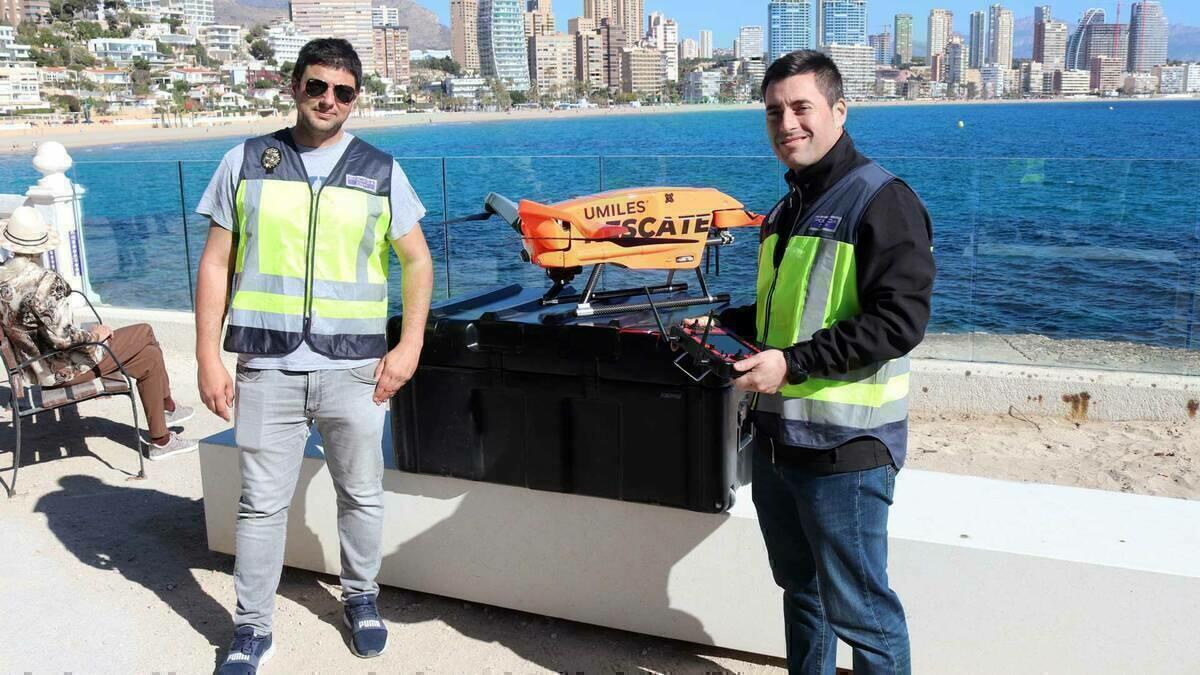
(424, 29)
(1183, 43)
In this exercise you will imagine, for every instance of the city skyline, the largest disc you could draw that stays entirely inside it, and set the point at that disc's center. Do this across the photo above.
(724, 20)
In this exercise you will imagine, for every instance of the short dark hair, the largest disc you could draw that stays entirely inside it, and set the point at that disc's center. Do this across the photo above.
(331, 53)
(805, 61)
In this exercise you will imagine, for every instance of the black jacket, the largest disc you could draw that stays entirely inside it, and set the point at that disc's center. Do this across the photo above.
(895, 265)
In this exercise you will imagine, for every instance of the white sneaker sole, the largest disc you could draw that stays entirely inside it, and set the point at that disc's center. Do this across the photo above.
(173, 453)
(355, 651)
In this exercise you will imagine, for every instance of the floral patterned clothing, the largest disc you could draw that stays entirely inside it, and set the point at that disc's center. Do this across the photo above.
(35, 313)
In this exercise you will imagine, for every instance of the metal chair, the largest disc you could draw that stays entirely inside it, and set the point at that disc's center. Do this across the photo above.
(29, 399)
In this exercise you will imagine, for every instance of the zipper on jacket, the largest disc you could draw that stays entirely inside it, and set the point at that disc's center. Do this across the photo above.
(310, 253)
(777, 265)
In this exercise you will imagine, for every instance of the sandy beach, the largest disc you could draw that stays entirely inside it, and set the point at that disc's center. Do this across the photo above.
(145, 130)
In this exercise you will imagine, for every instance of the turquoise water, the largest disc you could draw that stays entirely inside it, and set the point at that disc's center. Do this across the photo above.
(1071, 220)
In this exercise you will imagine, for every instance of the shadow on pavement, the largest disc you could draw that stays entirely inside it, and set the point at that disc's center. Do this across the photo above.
(161, 542)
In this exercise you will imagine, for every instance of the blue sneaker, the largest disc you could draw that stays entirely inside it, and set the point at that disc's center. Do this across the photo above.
(247, 653)
(368, 635)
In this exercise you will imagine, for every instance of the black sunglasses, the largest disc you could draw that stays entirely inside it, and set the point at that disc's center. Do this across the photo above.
(344, 93)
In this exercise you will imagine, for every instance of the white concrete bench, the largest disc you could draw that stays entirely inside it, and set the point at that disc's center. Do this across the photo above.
(996, 577)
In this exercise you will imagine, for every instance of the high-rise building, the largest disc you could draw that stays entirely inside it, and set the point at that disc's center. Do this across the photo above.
(1110, 40)
(536, 23)
(1191, 78)
(613, 37)
(1106, 74)
(589, 59)
(1031, 78)
(937, 67)
(1072, 83)
(856, 63)
(12, 12)
(1147, 36)
(222, 42)
(580, 24)
(539, 19)
(993, 80)
(1050, 44)
(903, 25)
(392, 53)
(706, 44)
(464, 34)
(286, 40)
(36, 10)
(789, 27)
(1000, 36)
(663, 35)
(1041, 14)
(956, 62)
(689, 49)
(382, 15)
(1077, 42)
(502, 48)
(1171, 79)
(941, 25)
(198, 12)
(600, 9)
(881, 44)
(642, 71)
(750, 42)
(702, 86)
(346, 19)
(842, 22)
(976, 42)
(631, 14)
(552, 61)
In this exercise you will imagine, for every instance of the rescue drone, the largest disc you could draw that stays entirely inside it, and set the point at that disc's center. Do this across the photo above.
(654, 228)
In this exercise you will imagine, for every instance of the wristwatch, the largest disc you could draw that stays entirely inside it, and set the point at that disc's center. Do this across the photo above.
(796, 373)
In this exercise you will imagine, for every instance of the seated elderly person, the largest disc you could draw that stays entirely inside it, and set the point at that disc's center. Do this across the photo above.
(35, 314)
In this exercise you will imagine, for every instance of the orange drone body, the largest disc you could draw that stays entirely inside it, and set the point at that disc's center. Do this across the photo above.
(660, 228)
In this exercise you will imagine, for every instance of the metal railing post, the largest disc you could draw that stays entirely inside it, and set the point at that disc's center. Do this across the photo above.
(446, 226)
(187, 246)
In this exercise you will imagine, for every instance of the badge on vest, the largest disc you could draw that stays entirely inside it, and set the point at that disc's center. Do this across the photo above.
(825, 223)
(362, 182)
(270, 159)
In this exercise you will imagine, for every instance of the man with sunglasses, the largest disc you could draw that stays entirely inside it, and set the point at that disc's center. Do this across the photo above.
(297, 253)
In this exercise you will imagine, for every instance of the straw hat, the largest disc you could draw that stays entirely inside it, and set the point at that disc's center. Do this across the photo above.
(26, 232)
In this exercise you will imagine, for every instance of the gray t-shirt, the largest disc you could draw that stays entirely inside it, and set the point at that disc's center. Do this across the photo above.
(218, 205)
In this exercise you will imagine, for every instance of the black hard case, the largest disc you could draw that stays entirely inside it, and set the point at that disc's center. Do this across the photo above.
(511, 392)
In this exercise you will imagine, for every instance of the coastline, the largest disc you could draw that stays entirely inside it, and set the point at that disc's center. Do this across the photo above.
(140, 131)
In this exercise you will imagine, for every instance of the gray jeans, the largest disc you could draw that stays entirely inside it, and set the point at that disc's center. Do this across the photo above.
(274, 410)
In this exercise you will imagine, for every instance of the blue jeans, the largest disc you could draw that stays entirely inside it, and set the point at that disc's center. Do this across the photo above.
(274, 411)
(826, 538)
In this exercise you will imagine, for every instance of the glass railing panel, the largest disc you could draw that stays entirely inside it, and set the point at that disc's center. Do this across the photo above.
(950, 191)
(1087, 263)
(133, 233)
(197, 175)
(485, 254)
(425, 176)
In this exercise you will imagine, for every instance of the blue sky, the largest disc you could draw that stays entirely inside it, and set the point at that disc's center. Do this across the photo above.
(723, 17)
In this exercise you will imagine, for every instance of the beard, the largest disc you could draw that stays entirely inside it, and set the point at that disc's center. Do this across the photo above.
(314, 122)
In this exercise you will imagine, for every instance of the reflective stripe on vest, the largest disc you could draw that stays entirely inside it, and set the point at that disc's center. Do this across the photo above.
(300, 275)
(815, 286)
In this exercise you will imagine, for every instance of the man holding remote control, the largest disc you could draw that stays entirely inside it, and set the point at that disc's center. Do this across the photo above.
(845, 275)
